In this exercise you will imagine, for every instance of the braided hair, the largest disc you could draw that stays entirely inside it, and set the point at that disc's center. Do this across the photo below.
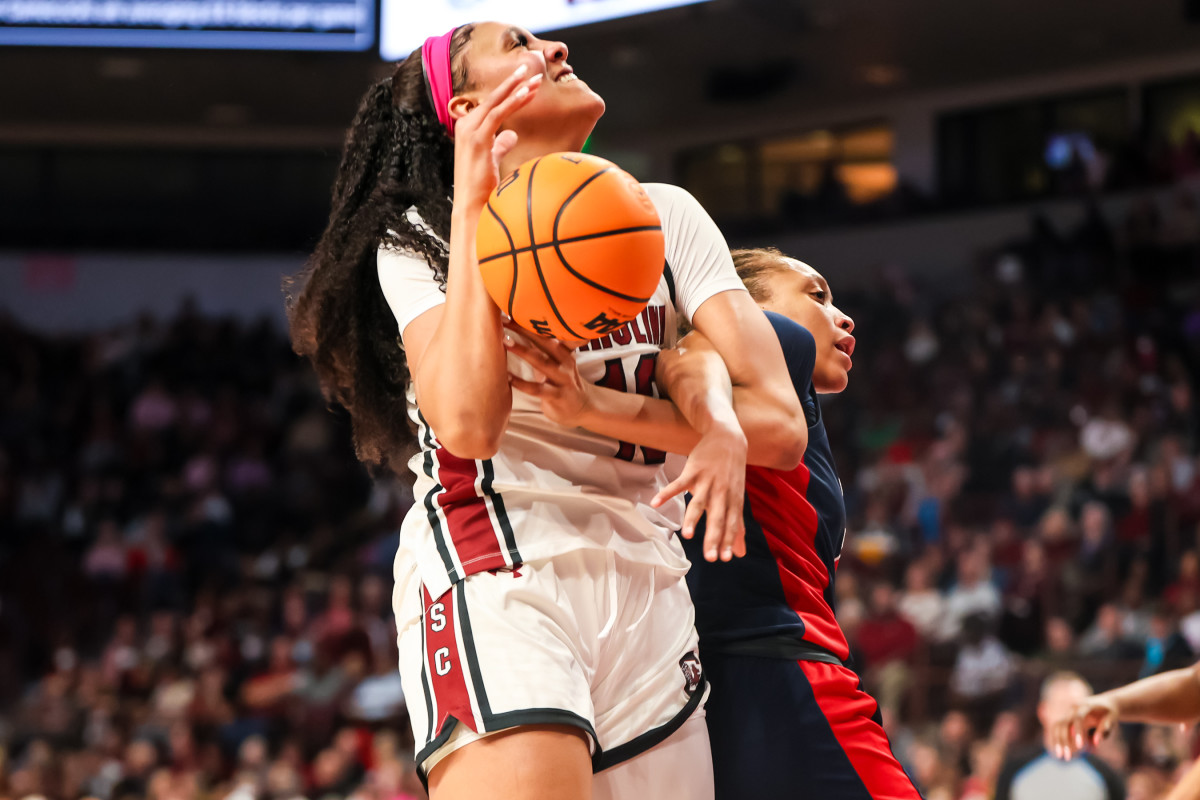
(397, 157)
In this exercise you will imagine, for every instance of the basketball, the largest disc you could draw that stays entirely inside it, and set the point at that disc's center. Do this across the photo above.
(570, 246)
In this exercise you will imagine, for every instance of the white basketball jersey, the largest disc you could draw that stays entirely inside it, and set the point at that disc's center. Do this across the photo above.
(551, 489)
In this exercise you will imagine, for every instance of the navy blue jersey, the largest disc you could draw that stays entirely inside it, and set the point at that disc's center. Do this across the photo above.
(781, 592)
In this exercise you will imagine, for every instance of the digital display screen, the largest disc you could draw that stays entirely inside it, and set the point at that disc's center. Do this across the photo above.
(213, 24)
(405, 24)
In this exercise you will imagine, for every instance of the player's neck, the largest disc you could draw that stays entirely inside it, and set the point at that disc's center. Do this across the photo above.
(527, 149)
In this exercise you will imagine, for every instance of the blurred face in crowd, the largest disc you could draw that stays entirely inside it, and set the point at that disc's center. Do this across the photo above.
(883, 598)
(916, 578)
(1058, 698)
(800, 293)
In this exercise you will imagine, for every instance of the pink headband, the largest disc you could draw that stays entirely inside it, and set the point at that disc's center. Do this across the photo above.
(435, 59)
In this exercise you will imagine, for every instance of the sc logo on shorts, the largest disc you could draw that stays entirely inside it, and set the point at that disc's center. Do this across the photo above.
(437, 615)
(441, 661)
(437, 623)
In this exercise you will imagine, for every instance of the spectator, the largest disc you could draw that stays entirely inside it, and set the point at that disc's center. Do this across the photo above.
(983, 671)
(1105, 639)
(921, 604)
(1037, 774)
(1165, 647)
(887, 641)
(973, 593)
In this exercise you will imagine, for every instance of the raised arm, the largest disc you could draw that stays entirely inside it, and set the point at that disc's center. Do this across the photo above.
(454, 351)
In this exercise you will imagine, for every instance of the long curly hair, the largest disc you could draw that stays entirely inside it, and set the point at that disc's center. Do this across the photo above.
(397, 157)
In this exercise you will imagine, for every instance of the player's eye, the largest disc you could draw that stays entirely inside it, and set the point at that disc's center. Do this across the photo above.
(821, 295)
(519, 40)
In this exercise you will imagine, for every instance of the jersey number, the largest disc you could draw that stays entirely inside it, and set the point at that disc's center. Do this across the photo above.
(643, 375)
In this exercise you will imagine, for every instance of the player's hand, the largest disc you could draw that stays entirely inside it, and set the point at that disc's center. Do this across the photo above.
(1088, 723)
(565, 395)
(715, 476)
(479, 144)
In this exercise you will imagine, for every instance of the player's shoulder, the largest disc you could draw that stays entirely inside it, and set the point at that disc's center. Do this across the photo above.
(392, 256)
(668, 197)
(791, 333)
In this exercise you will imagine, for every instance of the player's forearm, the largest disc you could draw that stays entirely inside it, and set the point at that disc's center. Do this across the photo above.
(698, 384)
(767, 407)
(697, 380)
(647, 421)
(1170, 697)
(463, 375)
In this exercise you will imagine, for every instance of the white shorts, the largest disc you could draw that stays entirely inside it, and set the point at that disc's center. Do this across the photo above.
(584, 639)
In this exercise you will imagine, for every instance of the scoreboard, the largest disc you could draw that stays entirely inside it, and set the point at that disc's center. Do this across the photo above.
(216, 24)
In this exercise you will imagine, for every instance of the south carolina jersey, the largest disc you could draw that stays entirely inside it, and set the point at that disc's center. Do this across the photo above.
(551, 489)
(781, 592)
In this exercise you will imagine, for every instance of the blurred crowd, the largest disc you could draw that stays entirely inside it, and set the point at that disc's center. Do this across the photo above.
(1072, 165)
(1020, 460)
(195, 571)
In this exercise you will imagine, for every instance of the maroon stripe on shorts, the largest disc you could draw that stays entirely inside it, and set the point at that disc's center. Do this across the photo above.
(446, 664)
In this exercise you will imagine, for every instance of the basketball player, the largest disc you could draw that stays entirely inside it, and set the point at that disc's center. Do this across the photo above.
(787, 713)
(545, 628)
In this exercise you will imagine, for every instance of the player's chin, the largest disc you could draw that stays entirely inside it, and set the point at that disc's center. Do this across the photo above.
(832, 380)
(591, 104)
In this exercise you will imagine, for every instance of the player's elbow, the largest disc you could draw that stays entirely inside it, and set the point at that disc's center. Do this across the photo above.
(788, 429)
(469, 434)
(471, 443)
(784, 448)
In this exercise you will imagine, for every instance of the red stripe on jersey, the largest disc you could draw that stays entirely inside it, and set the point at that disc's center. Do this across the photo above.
(850, 713)
(468, 524)
(446, 665)
(789, 523)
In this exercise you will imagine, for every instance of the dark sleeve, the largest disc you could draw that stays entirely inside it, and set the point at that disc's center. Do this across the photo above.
(799, 351)
(1114, 784)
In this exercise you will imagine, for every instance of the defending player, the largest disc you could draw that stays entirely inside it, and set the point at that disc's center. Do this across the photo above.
(545, 629)
(787, 715)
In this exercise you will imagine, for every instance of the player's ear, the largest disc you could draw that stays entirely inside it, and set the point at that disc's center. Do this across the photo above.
(460, 106)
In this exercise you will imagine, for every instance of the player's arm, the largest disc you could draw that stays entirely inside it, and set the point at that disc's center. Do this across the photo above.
(1172, 697)
(654, 422)
(767, 406)
(705, 429)
(455, 355)
(457, 362)
(711, 297)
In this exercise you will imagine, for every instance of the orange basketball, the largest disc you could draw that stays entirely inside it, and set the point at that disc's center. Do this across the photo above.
(570, 246)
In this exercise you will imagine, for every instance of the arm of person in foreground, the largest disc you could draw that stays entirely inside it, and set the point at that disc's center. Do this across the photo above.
(704, 428)
(1172, 697)
(773, 438)
(455, 357)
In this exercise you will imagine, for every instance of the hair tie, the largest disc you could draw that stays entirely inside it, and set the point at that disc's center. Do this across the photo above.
(435, 62)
